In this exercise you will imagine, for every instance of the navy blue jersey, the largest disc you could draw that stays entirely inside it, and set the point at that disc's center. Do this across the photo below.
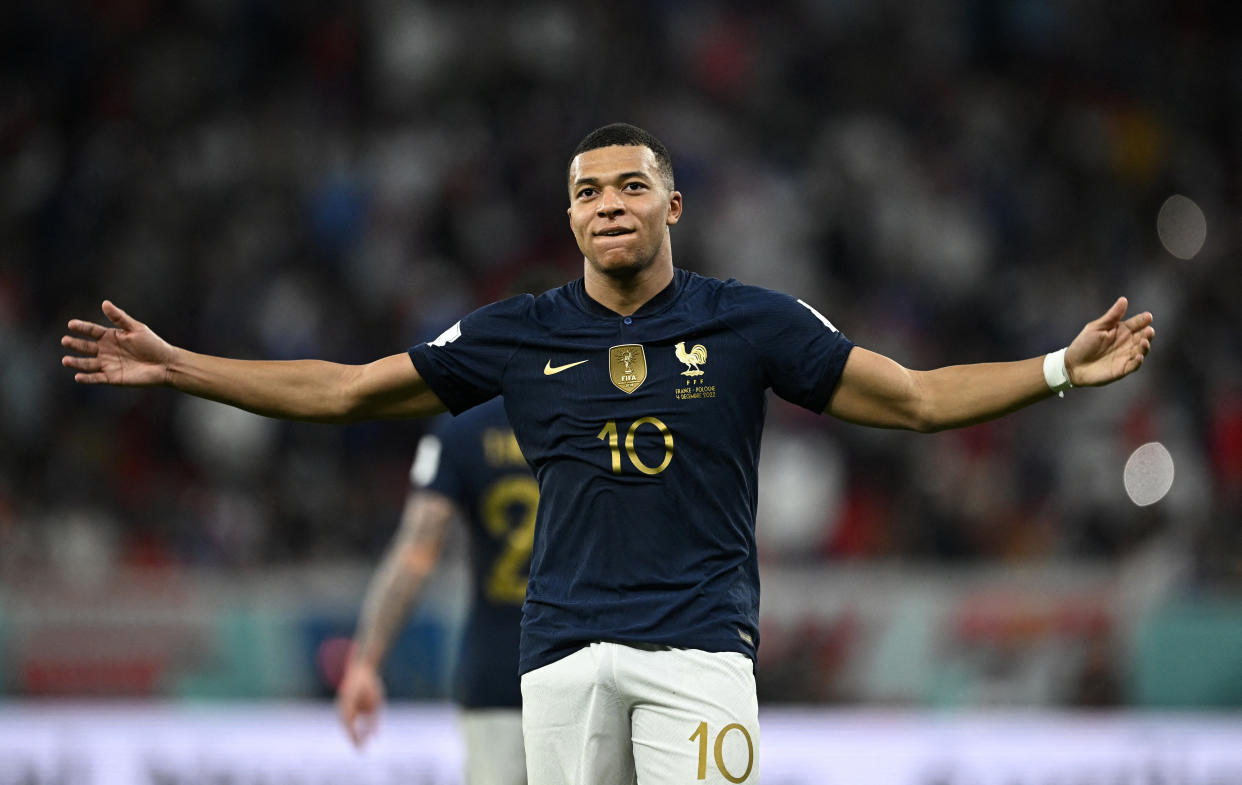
(474, 460)
(644, 435)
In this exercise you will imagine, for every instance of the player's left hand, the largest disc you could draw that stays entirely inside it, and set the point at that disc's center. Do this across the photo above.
(358, 701)
(1109, 347)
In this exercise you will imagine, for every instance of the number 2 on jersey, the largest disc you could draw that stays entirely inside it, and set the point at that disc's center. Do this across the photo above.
(610, 432)
(506, 580)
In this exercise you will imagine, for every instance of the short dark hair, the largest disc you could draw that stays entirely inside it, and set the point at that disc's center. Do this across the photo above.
(627, 135)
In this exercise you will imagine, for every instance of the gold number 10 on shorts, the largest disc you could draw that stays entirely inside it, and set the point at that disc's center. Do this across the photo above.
(610, 433)
(701, 734)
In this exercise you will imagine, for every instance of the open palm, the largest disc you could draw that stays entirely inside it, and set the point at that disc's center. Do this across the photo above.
(1109, 347)
(128, 353)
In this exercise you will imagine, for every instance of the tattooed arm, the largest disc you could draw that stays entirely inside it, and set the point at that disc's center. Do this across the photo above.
(397, 582)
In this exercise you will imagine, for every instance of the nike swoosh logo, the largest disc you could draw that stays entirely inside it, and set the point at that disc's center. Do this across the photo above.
(548, 370)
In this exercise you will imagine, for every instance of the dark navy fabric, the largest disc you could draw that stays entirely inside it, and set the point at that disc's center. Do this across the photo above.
(648, 489)
(481, 468)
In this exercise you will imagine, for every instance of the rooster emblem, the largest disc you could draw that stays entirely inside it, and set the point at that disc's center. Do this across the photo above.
(692, 359)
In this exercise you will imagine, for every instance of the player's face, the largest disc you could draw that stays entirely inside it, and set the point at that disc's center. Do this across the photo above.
(620, 209)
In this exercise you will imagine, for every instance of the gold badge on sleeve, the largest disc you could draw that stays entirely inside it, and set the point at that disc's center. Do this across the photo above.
(627, 366)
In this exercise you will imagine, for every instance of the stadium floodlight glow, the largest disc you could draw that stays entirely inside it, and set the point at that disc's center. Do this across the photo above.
(1181, 226)
(1148, 475)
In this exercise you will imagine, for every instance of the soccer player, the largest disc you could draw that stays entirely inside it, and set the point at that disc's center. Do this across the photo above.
(637, 395)
(469, 469)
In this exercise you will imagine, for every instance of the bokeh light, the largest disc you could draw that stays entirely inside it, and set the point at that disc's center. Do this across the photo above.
(1148, 475)
(1181, 226)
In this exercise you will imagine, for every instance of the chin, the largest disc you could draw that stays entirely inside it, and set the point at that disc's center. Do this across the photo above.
(621, 269)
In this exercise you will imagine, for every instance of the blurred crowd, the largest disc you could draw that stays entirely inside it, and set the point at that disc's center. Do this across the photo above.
(948, 181)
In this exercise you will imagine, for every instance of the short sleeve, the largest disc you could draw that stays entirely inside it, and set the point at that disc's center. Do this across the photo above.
(465, 365)
(803, 353)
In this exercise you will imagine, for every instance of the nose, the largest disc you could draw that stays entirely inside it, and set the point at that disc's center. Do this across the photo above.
(610, 204)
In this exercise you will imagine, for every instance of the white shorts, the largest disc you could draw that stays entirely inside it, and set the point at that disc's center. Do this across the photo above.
(494, 751)
(614, 714)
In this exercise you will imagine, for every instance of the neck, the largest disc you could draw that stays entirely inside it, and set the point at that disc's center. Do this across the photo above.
(626, 294)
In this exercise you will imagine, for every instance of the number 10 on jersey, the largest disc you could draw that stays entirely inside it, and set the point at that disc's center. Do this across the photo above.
(610, 434)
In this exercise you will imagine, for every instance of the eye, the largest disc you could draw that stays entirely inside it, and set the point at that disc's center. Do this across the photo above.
(635, 185)
(586, 193)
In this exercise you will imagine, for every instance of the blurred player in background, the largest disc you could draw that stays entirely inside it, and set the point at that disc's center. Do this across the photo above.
(638, 394)
(471, 470)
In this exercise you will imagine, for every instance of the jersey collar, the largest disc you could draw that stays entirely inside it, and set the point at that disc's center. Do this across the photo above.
(661, 300)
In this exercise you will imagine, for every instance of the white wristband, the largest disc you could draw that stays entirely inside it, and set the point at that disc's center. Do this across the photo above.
(1055, 372)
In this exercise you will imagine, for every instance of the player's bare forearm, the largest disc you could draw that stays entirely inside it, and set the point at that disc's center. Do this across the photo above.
(311, 390)
(384, 610)
(874, 390)
(130, 354)
(403, 571)
(957, 396)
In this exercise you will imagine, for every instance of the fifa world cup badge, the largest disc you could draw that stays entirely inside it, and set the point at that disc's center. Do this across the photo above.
(627, 366)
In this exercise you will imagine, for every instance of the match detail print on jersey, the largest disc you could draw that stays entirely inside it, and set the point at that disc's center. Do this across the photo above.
(627, 367)
(549, 369)
(692, 387)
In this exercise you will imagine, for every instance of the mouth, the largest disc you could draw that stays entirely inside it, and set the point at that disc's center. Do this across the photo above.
(615, 231)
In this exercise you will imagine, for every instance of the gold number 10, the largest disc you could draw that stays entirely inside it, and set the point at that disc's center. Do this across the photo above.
(610, 433)
(700, 733)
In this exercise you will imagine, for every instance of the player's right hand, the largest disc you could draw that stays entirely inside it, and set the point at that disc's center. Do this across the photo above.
(127, 354)
(358, 701)
(1109, 347)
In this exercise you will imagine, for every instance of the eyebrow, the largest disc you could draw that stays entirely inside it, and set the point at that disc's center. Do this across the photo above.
(622, 176)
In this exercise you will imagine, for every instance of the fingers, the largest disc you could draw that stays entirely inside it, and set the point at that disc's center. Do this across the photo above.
(356, 712)
(89, 370)
(1143, 347)
(115, 315)
(359, 726)
(89, 329)
(1114, 314)
(367, 727)
(89, 364)
(79, 345)
(353, 727)
(88, 367)
(1136, 323)
(348, 712)
(118, 317)
(1141, 332)
(97, 331)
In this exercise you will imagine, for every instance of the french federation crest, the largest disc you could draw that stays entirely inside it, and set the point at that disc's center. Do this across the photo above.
(627, 366)
(691, 359)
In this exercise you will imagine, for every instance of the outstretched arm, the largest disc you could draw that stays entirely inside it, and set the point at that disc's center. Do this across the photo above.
(129, 353)
(396, 583)
(875, 390)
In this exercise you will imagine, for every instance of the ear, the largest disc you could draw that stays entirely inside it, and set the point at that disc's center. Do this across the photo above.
(674, 208)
